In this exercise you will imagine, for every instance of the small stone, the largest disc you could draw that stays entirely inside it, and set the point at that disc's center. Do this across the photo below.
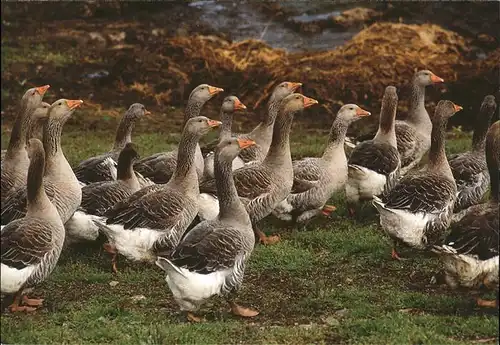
(137, 298)
(341, 312)
(306, 326)
(331, 321)
(348, 280)
(101, 318)
(113, 283)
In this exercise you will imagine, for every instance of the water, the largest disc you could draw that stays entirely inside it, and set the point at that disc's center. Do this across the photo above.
(241, 21)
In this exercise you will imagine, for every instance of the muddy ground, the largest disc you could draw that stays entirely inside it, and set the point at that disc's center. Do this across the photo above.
(112, 54)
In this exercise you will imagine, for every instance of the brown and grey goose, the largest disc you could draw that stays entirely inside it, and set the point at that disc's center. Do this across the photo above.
(262, 134)
(35, 124)
(373, 165)
(417, 210)
(317, 179)
(30, 246)
(161, 166)
(470, 253)
(263, 185)
(158, 218)
(103, 167)
(211, 258)
(469, 168)
(98, 197)
(15, 164)
(60, 183)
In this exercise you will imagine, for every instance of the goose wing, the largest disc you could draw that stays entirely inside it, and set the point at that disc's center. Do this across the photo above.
(379, 157)
(25, 242)
(100, 196)
(306, 175)
(97, 169)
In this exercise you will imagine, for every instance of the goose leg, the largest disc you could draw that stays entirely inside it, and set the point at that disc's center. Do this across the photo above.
(486, 303)
(14, 307)
(237, 309)
(327, 210)
(264, 239)
(114, 255)
(395, 255)
(193, 318)
(32, 302)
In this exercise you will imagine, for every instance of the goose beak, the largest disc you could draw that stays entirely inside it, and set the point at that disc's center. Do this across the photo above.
(214, 90)
(294, 86)
(309, 102)
(214, 123)
(74, 103)
(436, 79)
(147, 112)
(42, 89)
(244, 143)
(457, 107)
(238, 105)
(362, 112)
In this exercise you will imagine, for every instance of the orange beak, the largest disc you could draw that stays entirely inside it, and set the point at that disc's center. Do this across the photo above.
(214, 90)
(294, 86)
(309, 102)
(244, 143)
(74, 103)
(214, 123)
(42, 89)
(362, 112)
(457, 107)
(436, 79)
(147, 112)
(238, 105)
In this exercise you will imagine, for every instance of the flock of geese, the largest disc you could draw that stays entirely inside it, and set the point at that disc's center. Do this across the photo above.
(196, 215)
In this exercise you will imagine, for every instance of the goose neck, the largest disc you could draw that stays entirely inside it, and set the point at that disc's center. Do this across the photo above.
(279, 151)
(123, 133)
(193, 109)
(227, 121)
(19, 130)
(437, 155)
(336, 139)
(185, 172)
(36, 196)
(417, 112)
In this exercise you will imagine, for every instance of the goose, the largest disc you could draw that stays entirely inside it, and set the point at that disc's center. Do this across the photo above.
(158, 218)
(35, 124)
(417, 210)
(262, 134)
(103, 167)
(373, 166)
(469, 169)
(322, 176)
(98, 197)
(15, 164)
(470, 253)
(263, 185)
(211, 258)
(61, 184)
(229, 106)
(161, 166)
(30, 246)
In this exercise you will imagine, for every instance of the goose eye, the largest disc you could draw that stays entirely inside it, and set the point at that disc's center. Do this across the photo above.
(297, 97)
(33, 93)
(59, 103)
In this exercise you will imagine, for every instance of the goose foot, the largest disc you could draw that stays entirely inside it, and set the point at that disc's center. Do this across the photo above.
(486, 303)
(114, 255)
(32, 302)
(327, 210)
(264, 239)
(15, 307)
(242, 311)
(395, 255)
(193, 318)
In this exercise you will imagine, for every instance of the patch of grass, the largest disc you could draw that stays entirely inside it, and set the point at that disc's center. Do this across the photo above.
(33, 54)
(331, 281)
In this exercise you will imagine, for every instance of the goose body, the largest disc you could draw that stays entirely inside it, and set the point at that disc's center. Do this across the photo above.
(469, 168)
(61, 185)
(263, 185)
(211, 258)
(315, 180)
(470, 252)
(418, 209)
(159, 215)
(98, 197)
(31, 246)
(374, 164)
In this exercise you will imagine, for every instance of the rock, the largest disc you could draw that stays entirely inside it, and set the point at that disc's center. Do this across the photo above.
(356, 16)
(331, 321)
(341, 312)
(137, 298)
(113, 283)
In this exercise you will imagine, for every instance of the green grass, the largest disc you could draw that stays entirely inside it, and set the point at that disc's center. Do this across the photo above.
(331, 281)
